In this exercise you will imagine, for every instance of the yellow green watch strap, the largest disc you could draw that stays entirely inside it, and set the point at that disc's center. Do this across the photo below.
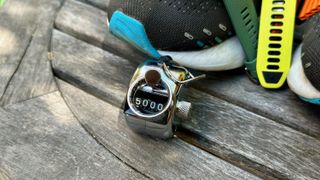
(275, 42)
(246, 24)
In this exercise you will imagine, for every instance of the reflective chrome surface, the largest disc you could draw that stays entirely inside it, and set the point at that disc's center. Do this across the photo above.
(159, 124)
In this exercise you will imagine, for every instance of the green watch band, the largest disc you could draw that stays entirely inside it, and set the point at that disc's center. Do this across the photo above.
(245, 20)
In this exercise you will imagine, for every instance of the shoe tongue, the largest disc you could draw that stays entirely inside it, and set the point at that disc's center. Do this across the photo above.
(179, 25)
(311, 52)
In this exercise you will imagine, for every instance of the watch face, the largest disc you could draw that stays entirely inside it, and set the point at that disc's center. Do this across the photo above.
(149, 100)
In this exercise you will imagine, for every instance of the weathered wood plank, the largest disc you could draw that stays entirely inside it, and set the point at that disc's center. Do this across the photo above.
(236, 134)
(282, 106)
(41, 139)
(157, 159)
(75, 15)
(253, 142)
(18, 23)
(33, 76)
(86, 76)
(101, 4)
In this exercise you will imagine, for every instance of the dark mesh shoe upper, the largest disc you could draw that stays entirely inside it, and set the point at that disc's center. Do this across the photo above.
(179, 24)
(311, 52)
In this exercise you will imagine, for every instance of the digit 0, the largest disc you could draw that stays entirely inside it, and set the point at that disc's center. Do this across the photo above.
(145, 103)
(153, 105)
(160, 107)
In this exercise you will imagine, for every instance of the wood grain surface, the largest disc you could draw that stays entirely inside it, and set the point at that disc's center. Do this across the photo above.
(234, 133)
(91, 76)
(101, 4)
(253, 142)
(157, 159)
(15, 37)
(41, 139)
(282, 105)
(90, 24)
(30, 74)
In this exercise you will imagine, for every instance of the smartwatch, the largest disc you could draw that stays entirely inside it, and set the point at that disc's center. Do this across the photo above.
(152, 99)
(245, 21)
(275, 42)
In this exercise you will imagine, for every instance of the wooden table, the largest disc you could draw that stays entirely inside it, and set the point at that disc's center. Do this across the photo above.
(61, 118)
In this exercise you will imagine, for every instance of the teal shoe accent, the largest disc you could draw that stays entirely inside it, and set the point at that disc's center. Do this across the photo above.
(313, 101)
(133, 32)
(201, 44)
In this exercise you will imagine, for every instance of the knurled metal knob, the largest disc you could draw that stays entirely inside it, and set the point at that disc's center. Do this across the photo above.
(183, 109)
(152, 77)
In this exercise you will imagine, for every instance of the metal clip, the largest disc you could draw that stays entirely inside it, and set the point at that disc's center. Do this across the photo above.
(190, 77)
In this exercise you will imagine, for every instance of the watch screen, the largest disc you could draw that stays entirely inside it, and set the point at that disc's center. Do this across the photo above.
(149, 100)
